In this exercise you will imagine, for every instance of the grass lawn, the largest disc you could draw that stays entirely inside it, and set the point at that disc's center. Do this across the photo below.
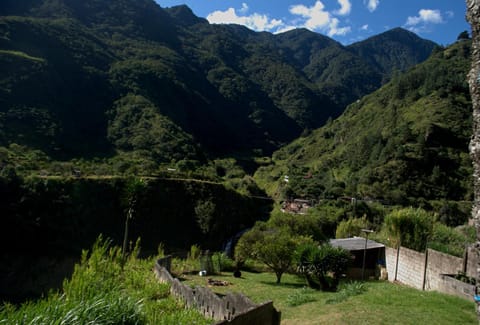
(381, 303)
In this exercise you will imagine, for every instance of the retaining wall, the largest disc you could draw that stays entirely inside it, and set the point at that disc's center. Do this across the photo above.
(234, 308)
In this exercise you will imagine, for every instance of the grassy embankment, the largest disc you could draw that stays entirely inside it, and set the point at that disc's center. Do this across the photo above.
(106, 289)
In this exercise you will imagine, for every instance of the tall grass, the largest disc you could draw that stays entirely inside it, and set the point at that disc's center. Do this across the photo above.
(100, 291)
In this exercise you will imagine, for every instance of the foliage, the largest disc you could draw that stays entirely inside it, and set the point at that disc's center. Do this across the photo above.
(450, 240)
(409, 227)
(404, 144)
(100, 292)
(157, 87)
(351, 227)
(347, 290)
(322, 266)
(310, 224)
(204, 213)
(221, 262)
(300, 297)
(272, 246)
(137, 125)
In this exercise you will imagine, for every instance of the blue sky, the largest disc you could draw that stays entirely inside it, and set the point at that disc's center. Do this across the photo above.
(346, 21)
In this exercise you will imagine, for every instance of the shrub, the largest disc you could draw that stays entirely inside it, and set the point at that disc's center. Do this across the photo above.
(101, 292)
(347, 290)
(409, 227)
(300, 297)
(451, 240)
(322, 265)
(351, 227)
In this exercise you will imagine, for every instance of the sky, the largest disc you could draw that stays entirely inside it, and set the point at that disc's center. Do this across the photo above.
(347, 21)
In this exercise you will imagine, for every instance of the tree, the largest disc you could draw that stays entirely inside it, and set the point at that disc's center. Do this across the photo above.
(272, 246)
(322, 266)
(473, 16)
(134, 188)
(463, 36)
(204, 212)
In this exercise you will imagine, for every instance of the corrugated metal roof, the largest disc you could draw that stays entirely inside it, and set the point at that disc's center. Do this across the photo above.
(355, 243)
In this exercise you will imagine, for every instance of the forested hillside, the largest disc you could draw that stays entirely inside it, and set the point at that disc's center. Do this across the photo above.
(402, 144)
(126, 83)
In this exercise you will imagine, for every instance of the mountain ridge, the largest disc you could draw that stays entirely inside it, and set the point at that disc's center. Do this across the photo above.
(406, 143)
(226, 88)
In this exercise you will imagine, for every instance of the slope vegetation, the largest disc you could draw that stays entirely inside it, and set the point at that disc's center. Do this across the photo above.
(404, 142)
(132, 81)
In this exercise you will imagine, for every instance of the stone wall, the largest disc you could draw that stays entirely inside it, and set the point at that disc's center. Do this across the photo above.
(234, 308)
(429, 271)
(473, 17)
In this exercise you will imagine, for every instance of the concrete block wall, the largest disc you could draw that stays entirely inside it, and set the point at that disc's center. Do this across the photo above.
(411, 268)
(391, 262)
(472, 262)
(455, 287)
(439, 264)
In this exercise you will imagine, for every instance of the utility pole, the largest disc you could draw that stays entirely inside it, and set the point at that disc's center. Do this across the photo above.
(367, 232)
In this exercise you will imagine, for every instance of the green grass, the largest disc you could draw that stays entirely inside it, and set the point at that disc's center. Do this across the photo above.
(104, 290)
(373, 302)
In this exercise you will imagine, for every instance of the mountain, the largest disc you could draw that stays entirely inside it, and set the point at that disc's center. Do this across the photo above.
(130, 83)
(393, 51)
(404, 143)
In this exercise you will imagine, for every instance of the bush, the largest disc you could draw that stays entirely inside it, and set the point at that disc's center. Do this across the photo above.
(300, 297)
(347, 290)
(451, 240)
(351, 227)
(221, 262)
(322, 266)
(409, 227)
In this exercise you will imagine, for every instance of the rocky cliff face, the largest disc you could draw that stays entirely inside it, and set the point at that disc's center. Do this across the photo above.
(473, 16)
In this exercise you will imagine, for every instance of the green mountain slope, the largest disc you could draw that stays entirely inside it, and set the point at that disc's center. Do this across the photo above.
(122, 79)
(393, 51)
(406, 141)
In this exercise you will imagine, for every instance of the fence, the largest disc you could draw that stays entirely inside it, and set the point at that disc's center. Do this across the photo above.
(234, 308)
(431, 270)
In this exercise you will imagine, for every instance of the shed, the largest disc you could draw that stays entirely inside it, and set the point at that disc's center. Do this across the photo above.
(375, 256)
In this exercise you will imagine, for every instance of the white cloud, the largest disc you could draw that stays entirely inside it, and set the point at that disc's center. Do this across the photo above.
(316, 18)
(371, 4)
(425, 16)
(244, 8)
(255, 21)
(424, 21)
(345, 8)
(364, 27)
(285, 29)
(335, 30)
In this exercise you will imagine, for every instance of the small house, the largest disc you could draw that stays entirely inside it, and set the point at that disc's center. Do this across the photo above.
(374, 256)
